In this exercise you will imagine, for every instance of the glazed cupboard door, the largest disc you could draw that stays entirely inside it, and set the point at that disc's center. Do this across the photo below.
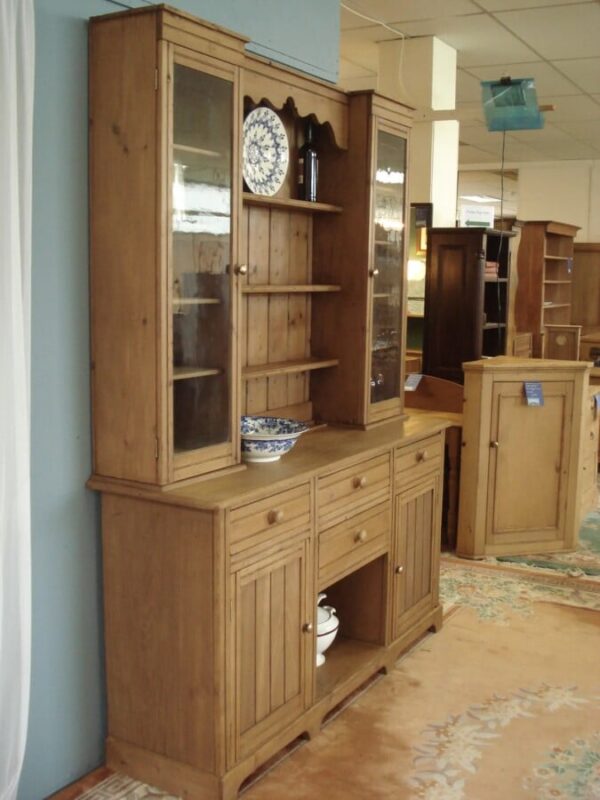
(203, 203)
(386, 271)
(272, 646)
(415, 566)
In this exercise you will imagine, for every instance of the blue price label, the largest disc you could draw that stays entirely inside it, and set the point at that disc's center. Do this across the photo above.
(534, 395)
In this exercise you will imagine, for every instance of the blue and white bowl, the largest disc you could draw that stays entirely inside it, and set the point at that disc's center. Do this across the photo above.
(266, 439)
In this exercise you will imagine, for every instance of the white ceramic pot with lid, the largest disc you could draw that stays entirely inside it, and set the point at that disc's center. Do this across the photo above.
(327, 628)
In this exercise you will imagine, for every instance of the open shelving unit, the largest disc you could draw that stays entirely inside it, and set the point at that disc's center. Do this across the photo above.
(545, 268)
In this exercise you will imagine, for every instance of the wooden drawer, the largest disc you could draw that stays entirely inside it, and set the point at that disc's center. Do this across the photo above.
(341, 494)
(262, 521)
(354, 542)
(413, 461)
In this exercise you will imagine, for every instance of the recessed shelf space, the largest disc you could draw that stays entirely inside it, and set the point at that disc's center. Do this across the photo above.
(303, 288)
(183, 373)
(287, 367)
(344, 659)
(292, 205)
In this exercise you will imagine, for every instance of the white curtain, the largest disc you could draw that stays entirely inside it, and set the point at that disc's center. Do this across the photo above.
(16, 122)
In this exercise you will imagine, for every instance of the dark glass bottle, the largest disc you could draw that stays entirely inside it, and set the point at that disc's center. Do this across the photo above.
(308, 166)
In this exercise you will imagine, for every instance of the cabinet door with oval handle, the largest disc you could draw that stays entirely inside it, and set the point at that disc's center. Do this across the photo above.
(416, 548)
(271, 646)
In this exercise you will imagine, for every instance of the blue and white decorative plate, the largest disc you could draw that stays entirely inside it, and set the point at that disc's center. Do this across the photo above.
(266, 151)
(268, 438)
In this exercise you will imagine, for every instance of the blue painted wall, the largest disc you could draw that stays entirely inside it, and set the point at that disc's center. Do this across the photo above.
(67, 714)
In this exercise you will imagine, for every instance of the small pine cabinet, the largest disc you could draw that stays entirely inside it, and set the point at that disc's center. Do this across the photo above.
(209, 301)
(522, 465)
(545, 271)
(466, 298)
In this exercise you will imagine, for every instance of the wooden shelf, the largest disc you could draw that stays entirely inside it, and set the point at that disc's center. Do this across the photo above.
(196, 301)
(270, 288)
(287, 367)
(490, 326)
(381, 295)
(556, 283)
(556, 305)
(492, 279)
(183, 373)
(199, 151)
(558, 258)
(292, 205)
(344, 659)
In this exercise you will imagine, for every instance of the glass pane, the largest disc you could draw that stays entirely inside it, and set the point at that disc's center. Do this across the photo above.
(389, 263)
(201, 254)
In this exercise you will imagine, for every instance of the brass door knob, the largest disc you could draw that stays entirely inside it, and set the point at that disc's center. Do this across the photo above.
(361, 536)
(241, 269)
(495, 445)
(307, 627)
(373, 273)
(399, 570)
(360, 482)
(422, 455)
(275, 516)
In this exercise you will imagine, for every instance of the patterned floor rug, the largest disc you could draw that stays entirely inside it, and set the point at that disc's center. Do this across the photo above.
(503, 702)
(583, 562)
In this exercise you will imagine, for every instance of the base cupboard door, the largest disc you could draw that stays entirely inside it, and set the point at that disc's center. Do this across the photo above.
(273, 643)
(415, 563)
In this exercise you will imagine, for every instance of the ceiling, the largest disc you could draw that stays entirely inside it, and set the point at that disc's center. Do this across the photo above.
(555, 42)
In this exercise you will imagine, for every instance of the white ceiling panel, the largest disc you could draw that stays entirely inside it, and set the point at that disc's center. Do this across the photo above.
(583, 131)
(468, 88)
(477, 135)
(509, 5)
(547, 79)
(570, 108)
(473, 155)
(467, 112)
(478, 39)
(584, 72)
(408, 10)
(555, 42)
(568, 31)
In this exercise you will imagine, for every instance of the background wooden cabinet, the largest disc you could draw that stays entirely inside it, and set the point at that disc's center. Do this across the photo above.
(466, 298)
(545, 268)
(521, 465)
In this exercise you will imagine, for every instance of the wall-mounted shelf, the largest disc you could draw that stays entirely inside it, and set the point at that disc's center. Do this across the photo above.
(198, 151)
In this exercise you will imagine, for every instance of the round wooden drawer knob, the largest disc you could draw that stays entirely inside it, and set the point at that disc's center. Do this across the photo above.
(422, 455)
(360, 483)
(361, 536)
(241, 269)
(276, 516)
(307, 627)
(399, 570)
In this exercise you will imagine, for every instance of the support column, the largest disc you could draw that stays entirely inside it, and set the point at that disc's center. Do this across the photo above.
(422, 73)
